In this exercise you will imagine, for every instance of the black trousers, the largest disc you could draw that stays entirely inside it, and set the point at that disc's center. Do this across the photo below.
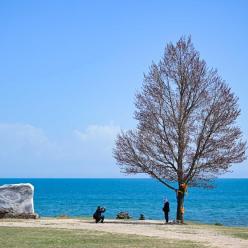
(166, 216)
(101, 218)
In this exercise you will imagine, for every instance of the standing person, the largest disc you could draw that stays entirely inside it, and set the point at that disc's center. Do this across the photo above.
(166, 210)
(98, 216)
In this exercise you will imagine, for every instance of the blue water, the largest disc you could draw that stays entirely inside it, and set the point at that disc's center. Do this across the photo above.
(227, 203)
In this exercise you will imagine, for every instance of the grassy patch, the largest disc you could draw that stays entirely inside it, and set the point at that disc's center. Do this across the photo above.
(236, 232)
(241, 233)
(13, 237)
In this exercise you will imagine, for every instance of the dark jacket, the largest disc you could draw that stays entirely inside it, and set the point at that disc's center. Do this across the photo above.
(166, 207)
(98, 213)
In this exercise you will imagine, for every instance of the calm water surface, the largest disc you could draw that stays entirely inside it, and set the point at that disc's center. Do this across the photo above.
(227, 203)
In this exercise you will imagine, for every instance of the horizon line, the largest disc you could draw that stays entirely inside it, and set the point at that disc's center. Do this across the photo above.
(102, 178)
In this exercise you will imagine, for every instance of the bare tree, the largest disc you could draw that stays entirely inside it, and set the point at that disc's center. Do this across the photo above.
(187, 132)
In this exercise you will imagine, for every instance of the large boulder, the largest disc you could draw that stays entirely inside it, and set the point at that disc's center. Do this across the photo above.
(16, 201)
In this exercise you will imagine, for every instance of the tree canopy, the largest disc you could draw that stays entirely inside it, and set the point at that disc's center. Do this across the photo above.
(186, 113)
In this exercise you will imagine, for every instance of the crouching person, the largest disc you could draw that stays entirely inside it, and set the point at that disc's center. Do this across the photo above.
(98, 215)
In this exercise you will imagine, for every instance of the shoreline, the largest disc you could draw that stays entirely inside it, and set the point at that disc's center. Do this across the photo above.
(215, 236)
(124, 221)
(146, 221)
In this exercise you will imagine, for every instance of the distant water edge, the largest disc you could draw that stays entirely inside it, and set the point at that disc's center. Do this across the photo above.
(227, 203)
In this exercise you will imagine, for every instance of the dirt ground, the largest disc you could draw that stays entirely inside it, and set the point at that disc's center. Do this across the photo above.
(207, 235)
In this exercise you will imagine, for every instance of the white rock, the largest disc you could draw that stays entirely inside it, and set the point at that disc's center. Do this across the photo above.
(17, 198)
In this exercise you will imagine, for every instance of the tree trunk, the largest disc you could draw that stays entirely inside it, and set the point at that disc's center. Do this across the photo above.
(180, 205)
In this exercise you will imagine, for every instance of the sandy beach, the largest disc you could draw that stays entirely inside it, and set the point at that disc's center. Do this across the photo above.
(206, 235)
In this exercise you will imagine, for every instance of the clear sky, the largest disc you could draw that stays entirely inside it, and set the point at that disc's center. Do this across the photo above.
(69, 71)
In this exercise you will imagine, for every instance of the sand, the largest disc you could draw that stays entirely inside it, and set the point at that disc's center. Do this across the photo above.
(206, 235)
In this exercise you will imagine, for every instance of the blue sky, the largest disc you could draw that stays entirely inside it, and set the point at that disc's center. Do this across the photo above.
(69, 71)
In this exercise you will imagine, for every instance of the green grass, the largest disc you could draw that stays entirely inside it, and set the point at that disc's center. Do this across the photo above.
(12, 237)
(236, 232)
